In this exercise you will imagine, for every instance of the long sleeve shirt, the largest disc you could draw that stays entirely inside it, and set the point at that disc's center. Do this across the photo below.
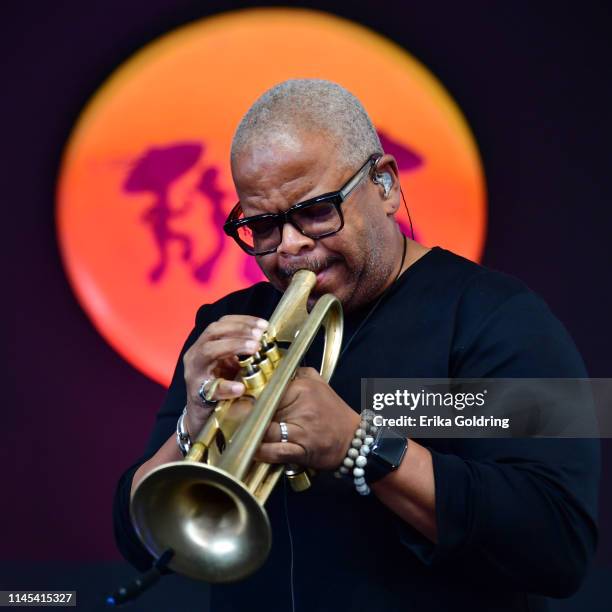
(516, 518)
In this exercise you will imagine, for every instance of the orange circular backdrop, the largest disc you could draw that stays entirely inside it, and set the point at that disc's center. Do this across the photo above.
(145, 183)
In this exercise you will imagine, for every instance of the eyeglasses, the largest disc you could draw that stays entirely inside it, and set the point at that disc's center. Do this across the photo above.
(316, 218)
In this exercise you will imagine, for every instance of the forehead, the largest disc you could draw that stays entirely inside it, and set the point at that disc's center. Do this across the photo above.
(285, 169)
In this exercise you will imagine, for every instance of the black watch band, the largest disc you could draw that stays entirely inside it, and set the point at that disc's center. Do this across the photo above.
(385, 455)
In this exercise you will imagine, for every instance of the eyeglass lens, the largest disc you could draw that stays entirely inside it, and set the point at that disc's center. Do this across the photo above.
(314, 220)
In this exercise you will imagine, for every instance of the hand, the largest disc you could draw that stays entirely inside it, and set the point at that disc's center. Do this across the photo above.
(320, 425)
(213, 355)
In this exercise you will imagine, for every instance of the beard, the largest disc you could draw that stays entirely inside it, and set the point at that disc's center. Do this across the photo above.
(359, 280)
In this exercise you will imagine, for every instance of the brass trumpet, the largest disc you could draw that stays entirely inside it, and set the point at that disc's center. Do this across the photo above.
(208, 508)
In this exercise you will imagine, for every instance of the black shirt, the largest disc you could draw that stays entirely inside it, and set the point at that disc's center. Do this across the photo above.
(515, 517)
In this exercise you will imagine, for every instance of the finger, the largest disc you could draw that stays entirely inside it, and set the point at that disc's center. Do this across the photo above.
(251, 320)
(224, 389)
(227, 367)
(227, 389)
(216, 350)
(273, 433)
(280, 452)
(241, 326)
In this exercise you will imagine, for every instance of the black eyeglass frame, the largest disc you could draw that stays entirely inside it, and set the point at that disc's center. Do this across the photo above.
(233, 225)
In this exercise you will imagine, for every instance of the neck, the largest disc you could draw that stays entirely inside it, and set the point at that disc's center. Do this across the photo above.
(401, 256)
(414, 252)
(410, 252)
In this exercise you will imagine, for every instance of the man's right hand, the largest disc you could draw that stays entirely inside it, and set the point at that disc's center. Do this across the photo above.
(214, 355)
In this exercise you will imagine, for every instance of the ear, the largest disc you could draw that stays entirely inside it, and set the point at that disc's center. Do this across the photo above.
(391, 199)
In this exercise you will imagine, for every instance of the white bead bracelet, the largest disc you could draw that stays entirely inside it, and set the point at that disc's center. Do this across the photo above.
(356, 458)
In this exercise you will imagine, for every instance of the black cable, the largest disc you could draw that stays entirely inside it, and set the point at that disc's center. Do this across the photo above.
(409, 217)
(141, 583)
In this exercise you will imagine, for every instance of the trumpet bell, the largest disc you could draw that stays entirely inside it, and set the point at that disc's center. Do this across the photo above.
(217, 529)
(208, 508)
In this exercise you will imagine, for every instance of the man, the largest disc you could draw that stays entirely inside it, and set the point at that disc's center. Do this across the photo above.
(458, 524)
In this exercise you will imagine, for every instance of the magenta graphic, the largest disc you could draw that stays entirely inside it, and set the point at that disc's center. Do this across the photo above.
(154, 172)
(157, 169)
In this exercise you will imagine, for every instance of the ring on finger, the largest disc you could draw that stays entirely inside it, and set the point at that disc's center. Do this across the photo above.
(207, 390)
(284, 432)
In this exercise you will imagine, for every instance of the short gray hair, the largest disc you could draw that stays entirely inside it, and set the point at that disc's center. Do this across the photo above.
(312, 104)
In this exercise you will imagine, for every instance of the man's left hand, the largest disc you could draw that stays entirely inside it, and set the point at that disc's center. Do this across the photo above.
(320, 425)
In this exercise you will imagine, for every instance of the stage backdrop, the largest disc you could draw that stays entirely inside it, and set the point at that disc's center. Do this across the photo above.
(145, 187)
(115, 136)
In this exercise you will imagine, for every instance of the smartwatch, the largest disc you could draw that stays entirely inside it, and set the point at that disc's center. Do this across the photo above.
(385, 455)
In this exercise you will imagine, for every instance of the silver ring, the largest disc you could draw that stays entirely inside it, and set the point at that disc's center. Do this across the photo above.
(284, 432)
(208, 388)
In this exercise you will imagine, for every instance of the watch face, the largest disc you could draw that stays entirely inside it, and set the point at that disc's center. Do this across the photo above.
(389, 448)
(386, 455)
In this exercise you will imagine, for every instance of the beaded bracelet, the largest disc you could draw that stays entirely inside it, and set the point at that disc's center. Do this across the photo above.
(356, 458)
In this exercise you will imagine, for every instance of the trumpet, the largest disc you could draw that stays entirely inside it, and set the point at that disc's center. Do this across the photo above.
(208, 509)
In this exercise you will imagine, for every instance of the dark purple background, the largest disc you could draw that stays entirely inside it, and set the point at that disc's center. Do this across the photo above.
(534, 82)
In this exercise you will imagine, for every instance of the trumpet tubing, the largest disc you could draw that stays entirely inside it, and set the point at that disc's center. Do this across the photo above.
(208, 508)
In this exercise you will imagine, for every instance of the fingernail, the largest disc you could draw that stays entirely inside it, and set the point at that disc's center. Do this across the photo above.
(262, 323)
(237, 388)
(251, 345)
(257, 333)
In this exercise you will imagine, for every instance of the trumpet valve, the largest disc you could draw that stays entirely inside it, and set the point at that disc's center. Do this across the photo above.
(273, 353)
(264, 364)
(255, 381)
(298, 478)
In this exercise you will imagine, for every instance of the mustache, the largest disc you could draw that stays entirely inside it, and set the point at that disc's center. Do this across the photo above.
(308, 263)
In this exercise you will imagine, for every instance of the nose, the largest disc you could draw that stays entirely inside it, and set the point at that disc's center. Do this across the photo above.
(293, 242)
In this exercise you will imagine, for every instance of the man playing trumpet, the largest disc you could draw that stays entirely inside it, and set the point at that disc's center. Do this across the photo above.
(478, 524)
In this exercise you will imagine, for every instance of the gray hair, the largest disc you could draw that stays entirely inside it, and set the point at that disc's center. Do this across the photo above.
(311, 104)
